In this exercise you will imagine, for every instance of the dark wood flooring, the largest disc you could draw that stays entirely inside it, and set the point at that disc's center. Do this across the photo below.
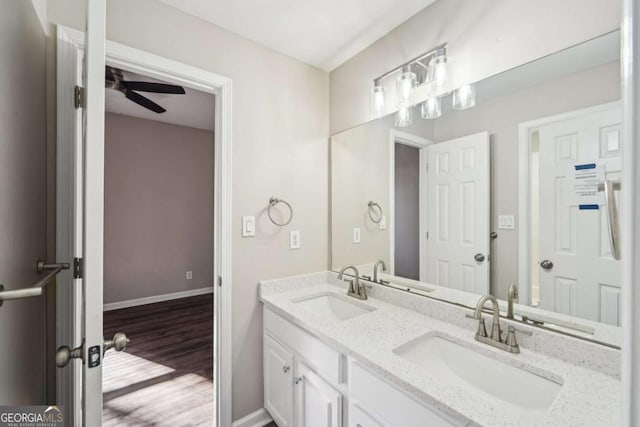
(165, 376)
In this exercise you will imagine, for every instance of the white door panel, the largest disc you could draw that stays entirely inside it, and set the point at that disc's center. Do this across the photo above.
(317, 403)
(458, 194)
(585, 279)
(278, 382)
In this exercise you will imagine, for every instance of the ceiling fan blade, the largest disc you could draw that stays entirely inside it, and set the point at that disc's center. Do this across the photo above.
(143, 101)
(109, 74)
(154, 87)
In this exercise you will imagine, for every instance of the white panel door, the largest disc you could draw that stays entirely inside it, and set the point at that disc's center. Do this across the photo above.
(317, 403)
(458, 200)
(584, 279)
(278, 382)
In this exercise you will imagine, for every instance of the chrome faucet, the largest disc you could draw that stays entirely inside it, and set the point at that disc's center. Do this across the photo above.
(375, 269)
(495, 340)
(513, 294)
(356, 290)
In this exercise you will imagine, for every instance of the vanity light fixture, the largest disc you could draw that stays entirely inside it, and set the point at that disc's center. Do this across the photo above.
(377, 99)
(404, 117)
(428, 69)
(464, 97)
(431, 108)
(405, 84)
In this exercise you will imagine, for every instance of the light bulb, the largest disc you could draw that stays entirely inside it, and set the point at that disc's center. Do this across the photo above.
(404, 87)
(431, 108)
(404, 117)
(377, 100)
(437, 74)
(464, 97)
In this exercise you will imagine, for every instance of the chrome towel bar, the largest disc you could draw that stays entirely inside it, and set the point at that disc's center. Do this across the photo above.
(35, 290)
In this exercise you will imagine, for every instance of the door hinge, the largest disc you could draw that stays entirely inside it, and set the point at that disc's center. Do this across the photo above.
(219, 281)
(78, 97)
(78, 268)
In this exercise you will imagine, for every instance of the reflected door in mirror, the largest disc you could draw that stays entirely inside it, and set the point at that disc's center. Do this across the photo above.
(581, 277)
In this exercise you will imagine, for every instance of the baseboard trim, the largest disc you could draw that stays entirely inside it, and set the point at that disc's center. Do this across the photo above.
(258, 418)
(156, 298)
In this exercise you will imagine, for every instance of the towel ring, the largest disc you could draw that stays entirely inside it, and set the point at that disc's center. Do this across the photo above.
(372, 208)
(274, 201)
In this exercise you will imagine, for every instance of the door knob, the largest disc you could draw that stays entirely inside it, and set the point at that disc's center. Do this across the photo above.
(64, 354)
(118, 343)
(479, 257)
(546, 264)
(285, 369)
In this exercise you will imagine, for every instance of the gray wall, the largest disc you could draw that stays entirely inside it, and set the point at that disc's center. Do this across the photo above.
(280, 132)
(23, 201)
(158, 208)
(484, 38)
(407, 212)
(359, 173)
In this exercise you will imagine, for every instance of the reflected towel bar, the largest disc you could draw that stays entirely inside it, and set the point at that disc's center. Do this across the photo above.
(35, 290)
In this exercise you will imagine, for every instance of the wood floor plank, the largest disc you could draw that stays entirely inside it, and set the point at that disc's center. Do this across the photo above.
(165, 377)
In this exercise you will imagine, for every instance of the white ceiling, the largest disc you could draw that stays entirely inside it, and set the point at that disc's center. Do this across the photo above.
(323, 33)
(193, 109)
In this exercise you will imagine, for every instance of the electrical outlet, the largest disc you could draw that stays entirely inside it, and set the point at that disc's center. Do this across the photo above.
(383, 223)
(189, 275)
(356, 235)
(294, 239)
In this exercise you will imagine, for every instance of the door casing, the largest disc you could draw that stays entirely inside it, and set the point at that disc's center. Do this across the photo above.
(154, 66)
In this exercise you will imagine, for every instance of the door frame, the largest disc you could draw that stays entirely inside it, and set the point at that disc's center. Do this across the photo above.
(175, 72)
(405, 138)
(630, 212)
(525, 130)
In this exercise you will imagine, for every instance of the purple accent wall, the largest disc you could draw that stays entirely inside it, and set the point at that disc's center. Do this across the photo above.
(158, 208)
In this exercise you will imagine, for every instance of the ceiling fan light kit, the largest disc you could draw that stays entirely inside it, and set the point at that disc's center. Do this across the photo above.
(114, 79)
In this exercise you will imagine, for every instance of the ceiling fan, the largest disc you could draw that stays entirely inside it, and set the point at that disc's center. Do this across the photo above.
(114, 79)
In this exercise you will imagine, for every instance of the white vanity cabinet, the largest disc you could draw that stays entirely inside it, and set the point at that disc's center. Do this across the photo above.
(301, 377)
(306, 385)
(278, 382)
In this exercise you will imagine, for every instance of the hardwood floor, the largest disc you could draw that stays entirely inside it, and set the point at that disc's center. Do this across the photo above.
(165, 376)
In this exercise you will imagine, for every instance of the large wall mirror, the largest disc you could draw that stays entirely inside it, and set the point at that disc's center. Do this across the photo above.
(519, 189)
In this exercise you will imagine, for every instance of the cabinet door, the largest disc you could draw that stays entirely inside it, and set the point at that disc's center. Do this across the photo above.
(317, 403)
(359, 418)
(278, 382)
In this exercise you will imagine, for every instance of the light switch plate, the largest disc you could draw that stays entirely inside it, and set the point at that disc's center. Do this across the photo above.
(248, 226)
(294, 239)
(506, 222)
(356, 235)
(383, 223)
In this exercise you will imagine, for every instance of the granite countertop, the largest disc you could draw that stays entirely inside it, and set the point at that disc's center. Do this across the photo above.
(586, 398)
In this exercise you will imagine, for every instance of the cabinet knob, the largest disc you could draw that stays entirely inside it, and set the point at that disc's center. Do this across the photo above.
(285, 369)
(298, 379)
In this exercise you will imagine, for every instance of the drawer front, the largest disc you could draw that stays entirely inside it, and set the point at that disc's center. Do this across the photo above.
(324, 359)
(378, 397)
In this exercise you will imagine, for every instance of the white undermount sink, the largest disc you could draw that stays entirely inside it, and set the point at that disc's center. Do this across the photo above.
(475, 371)
(334, 306)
